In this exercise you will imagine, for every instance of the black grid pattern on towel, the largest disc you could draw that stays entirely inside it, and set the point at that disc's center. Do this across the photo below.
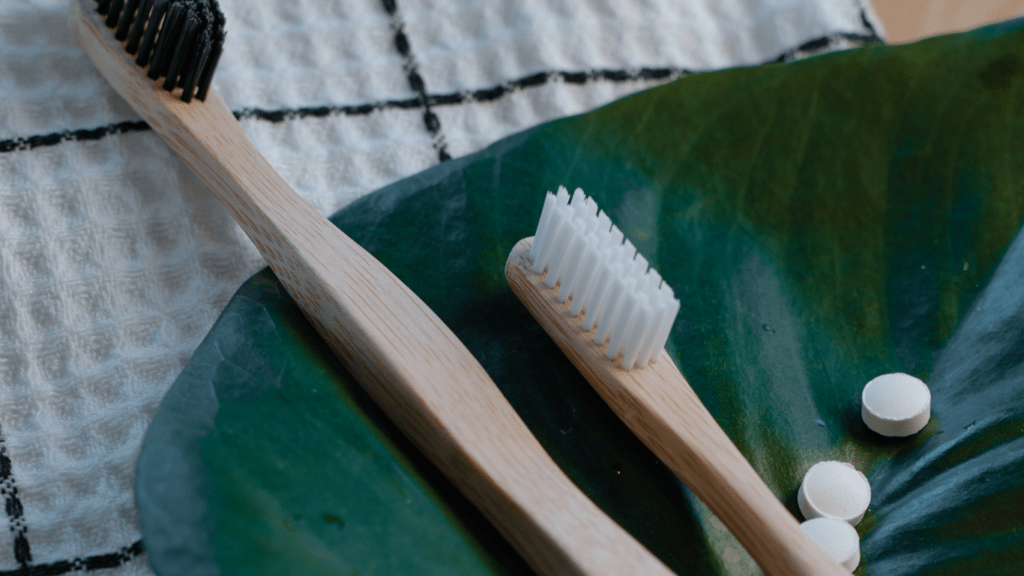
(430, 120)
(86, 564)
(429, 101)
(22, 550)
(423, 100)
(12, 506)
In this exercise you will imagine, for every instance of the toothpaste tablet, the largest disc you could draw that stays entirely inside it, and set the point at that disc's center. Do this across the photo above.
(837, 538)
(834, 490)
(896, 405)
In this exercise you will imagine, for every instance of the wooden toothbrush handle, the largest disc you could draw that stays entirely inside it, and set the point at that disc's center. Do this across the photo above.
(405, 357)
(659, 407)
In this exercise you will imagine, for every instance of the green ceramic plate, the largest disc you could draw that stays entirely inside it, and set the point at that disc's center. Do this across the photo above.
(822, 222)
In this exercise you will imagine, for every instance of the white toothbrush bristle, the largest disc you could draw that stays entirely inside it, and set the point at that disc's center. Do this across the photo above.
(610, 315)
(573, 259)
(602, 290)
(642, 326)
(585, 281)
(542, 227)
(604, 276)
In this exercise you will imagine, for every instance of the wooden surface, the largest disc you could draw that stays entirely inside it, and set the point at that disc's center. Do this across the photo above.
(403, 355)
(909, 20)
(663, 411)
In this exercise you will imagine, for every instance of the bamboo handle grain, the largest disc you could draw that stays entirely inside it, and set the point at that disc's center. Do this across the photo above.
(663, 411)
(413, 366)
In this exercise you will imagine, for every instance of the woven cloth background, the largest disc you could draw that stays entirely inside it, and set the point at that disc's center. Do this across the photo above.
(115, 260)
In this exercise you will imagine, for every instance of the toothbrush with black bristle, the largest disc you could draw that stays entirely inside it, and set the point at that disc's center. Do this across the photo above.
(611, 314)
(186, 51)
(405, 357)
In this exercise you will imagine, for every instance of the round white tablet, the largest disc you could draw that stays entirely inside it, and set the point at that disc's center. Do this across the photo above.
(837, 538)
(896, 405)
(834, 490)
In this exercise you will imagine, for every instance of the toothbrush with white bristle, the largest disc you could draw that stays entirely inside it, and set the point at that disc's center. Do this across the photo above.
(584, 253)
(599, 301)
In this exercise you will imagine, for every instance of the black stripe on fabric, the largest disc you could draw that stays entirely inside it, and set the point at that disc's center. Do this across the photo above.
(826, 43)
(13, 507)
(430, 101)
(87, 564)
(39, 141)
(276, 116)
(867, 24)
(430, 120)
(542, 78)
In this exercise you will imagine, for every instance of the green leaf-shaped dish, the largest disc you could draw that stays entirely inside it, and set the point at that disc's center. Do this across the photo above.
(822, 222)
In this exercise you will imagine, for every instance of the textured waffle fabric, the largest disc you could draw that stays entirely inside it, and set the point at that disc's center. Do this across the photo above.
(115, 260)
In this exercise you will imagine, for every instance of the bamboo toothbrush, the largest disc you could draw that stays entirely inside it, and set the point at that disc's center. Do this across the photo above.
(397, 348)
(577, 262)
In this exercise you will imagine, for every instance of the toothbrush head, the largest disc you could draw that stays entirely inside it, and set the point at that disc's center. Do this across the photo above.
(584, 254)
(179, 40)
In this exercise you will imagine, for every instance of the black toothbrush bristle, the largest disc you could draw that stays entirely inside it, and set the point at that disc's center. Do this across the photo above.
(179, 40)
(114, 13)
(138, 27)
(127, 15)
(216, 48)
(200, 44)
(152, 27)
(166, 41)
(191, 76)
(182, 52)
